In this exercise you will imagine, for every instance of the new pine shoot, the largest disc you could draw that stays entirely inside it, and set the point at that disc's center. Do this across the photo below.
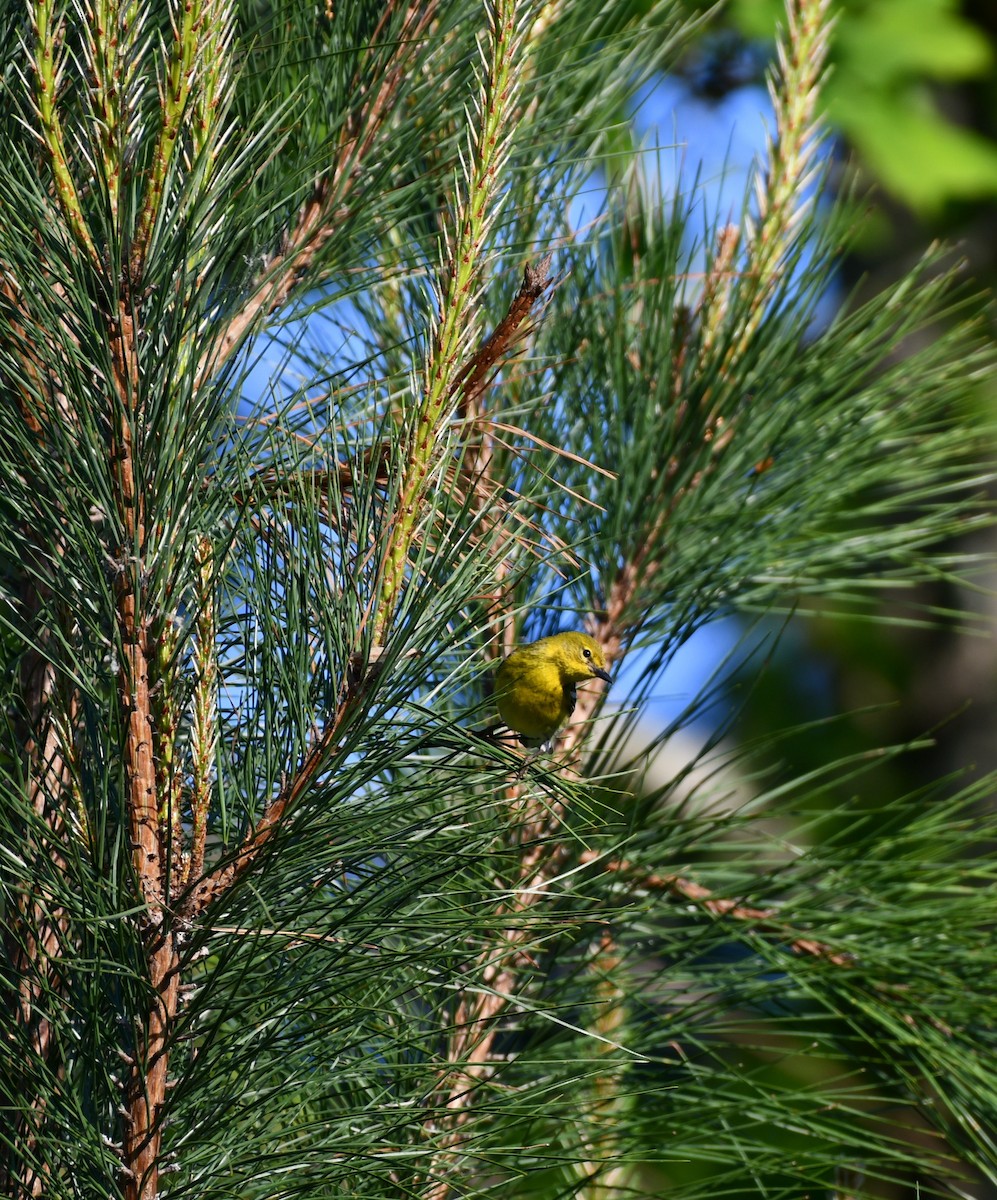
(535, 685)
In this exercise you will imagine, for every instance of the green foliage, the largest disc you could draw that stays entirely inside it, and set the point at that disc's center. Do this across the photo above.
(887, 55)
(283, 472)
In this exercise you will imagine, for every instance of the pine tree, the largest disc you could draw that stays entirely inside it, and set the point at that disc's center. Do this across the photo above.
(314, 404)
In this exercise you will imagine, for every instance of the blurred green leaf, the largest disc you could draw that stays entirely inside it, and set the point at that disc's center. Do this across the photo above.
(886, 53)
(888, 40)
(918, 155)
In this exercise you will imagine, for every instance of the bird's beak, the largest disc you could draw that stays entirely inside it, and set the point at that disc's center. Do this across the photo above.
(605, 676)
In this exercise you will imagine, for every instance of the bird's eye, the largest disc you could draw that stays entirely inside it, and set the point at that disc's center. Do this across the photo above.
(587, 653)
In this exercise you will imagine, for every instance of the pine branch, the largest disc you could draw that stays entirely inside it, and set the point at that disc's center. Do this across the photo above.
(469, 386)
(252, 828)
(322, 216)
(459, 287)
(695, 893)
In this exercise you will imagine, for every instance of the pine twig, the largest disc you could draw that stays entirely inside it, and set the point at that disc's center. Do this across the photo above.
(470, 383)
(696, 893)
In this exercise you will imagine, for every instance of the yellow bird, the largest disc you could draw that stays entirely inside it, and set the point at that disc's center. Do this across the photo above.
(535, 685)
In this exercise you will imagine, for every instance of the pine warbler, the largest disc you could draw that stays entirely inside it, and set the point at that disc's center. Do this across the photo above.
(535, 685)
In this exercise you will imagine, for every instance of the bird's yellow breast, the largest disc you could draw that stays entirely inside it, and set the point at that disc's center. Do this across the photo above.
(531, 697)
(535, 685)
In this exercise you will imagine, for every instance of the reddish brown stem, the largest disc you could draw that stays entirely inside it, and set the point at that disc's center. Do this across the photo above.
(473, 379)
(146, 1095)
(222, 878)
(688, 889)
(145, 1092)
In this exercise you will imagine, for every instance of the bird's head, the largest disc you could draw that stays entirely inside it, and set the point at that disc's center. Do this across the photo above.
(580, 657)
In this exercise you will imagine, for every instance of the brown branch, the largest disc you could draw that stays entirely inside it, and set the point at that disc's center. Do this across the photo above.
(42, 924)
(696, 893)
(472, 380)
(145, 1091)
(207, 890)
(474, 1029)
(696, 426)
(147, 1084)
(321, 217)
(611, 632)
(469, 388)
(133, 675)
